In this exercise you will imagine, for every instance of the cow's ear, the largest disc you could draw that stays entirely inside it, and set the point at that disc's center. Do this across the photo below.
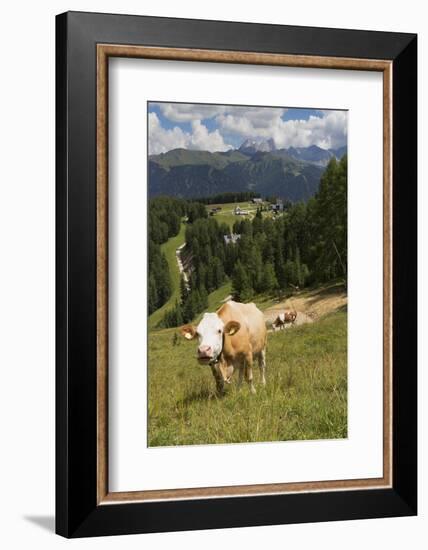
(188, 331)
(232, 327)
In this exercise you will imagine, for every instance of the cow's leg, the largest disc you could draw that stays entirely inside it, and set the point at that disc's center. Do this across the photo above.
(262, 365)
(249, 371)
(219, 381)
(241, 374)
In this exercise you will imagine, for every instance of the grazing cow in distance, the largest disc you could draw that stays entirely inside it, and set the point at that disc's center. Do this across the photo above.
(284, 318)
(230, 339)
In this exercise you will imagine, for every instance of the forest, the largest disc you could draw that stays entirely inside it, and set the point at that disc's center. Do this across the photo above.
(165, 218)
(307, 245)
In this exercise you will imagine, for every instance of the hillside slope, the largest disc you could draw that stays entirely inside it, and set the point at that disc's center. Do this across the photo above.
(305, 396)
(193, 174)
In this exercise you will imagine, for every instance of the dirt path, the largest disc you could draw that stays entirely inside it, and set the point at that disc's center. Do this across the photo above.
(310, 305)
(180, 264)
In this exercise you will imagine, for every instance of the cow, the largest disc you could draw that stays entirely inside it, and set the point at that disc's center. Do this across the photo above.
(285, 318)
(230, 339)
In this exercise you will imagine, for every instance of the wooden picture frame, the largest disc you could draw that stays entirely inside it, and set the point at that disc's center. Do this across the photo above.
(84, 505)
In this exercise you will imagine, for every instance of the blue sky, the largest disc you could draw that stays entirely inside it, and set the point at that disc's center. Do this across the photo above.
(223, 127)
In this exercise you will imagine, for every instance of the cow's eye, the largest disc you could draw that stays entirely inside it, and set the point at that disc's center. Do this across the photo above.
(219, 330)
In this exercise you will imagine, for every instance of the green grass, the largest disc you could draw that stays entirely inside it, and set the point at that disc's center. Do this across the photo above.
(169, 249)
(226, 215)
(305, 396)
(230, 206)
(215, 298)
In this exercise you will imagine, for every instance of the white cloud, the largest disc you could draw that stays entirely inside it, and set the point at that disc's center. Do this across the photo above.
(183, 112)
(240, 123)
(186, 112)
(328, 131)
(201, 138)
(162, 140)
(250, 122)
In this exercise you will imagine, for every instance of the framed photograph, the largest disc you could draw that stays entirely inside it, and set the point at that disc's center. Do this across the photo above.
(236, 274)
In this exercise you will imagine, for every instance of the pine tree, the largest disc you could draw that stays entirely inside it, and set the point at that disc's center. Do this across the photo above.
(241, 283)
(153, 294)
(189, 308)
(203, 296)
(210, 275)
(298, 268)
(269, 281)
(257, 222)
(178, 314)
(329, 224)
(256, 269)
(290, 272)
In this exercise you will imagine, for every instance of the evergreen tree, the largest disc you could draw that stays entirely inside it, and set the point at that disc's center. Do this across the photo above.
(189, 308)
(298, 268)
(258, 222)
(329, 223)
(290, 272)
(203, 299)
(178, 314)
(256, 269)
(269, 281)
(241, 283)
(153, 294)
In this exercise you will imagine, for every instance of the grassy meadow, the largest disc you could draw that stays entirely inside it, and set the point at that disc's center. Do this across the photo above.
(305, 396)
(226, 214)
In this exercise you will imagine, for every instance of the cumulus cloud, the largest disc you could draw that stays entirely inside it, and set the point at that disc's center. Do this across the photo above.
(201, 138)
(328, 131)
(183, 112)
(250, 122)
(236, 124)
(162, 140)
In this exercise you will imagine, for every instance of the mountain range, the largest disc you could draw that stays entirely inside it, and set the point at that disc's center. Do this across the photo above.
(258, 166)
(312, 154)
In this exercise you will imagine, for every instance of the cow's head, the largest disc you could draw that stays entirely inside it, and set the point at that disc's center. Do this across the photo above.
(210, 332)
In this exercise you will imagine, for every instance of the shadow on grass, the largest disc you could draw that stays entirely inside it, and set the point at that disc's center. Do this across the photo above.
(321, 294)
(201, 395)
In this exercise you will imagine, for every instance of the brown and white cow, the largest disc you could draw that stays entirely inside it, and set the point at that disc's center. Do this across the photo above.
(230, 339)
(284, 318)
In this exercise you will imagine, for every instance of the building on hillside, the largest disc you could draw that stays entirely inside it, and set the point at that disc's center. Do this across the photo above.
(278, 206)
(233, 238)
(257, 200)
(240, 211)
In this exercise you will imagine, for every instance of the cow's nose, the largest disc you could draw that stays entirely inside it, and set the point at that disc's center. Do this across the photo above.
(205, 351)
